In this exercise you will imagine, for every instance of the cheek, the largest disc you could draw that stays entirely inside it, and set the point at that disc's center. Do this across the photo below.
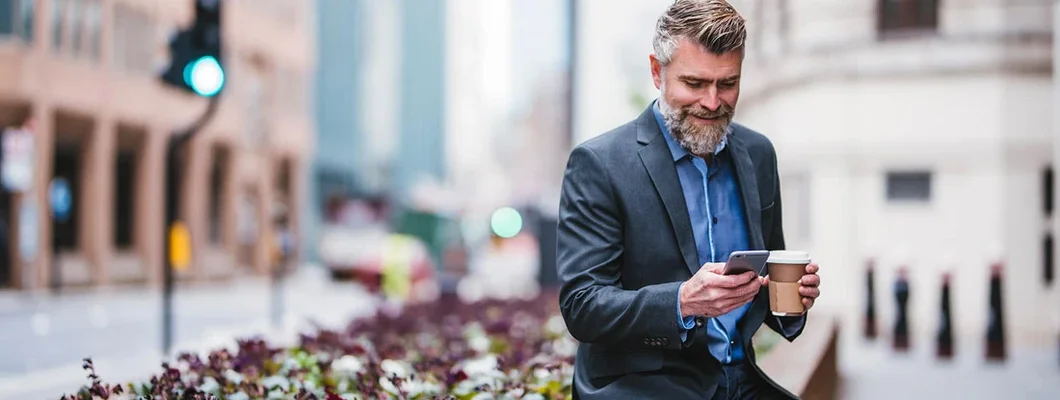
(730, 98)
(679, 96)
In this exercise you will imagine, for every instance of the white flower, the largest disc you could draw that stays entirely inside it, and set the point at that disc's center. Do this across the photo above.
(555, 325)
(288, 365)
(233, 376)
(276, 381)
(542, 374)
(564, 347)
(417, 387)
(485, 365)
(276, 395)
(239, 396)
(392, 368)
(534, 396)
(347, 366)
(463, 388)
(210, 385)
(387, 385)
(483, 396)
(514, 393)
(479, 344)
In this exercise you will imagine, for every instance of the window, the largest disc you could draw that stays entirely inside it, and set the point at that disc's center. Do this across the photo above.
(7, 16)
(909, 186)
(1047, 191)
(255, 87)
(73, 23)
(16, 18)
(290, 90)
(133, 40)
(904, 16)
(92, 15)
(59, 8)
(24, 24)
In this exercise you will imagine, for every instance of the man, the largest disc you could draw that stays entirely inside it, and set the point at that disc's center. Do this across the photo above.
(649, 213)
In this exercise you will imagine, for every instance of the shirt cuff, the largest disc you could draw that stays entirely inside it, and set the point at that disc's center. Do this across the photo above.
(791, 325)
(684, 323)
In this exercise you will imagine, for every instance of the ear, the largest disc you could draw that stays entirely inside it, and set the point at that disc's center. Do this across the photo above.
(656, 71)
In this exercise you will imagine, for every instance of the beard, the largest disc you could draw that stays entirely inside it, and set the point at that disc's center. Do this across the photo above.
(697, 138)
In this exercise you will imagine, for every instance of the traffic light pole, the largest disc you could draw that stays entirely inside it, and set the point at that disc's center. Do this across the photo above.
(177, 142)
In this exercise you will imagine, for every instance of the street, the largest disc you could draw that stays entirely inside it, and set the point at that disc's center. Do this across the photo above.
(871, 370)
(43, 340)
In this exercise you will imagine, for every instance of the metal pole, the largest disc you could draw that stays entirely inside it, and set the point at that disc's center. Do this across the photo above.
(277, 294)
(56, 279)
(172, 205)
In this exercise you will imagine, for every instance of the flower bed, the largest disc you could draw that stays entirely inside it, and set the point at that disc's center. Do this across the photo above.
(447, 349)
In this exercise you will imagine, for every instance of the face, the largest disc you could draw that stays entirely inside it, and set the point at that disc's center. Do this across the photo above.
(699, 91)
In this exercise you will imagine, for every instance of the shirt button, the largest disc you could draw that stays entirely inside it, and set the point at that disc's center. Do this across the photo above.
(732, 342)
(715, 220)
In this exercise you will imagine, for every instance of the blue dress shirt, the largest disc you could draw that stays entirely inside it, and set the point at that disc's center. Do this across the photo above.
(716, 211)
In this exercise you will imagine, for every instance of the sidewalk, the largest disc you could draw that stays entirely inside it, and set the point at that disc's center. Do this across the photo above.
(871, 370)
(206, 317)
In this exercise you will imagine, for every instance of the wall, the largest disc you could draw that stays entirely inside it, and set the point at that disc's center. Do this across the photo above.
(843, 136)
(422, 100)
(340, 37)
(614, 80)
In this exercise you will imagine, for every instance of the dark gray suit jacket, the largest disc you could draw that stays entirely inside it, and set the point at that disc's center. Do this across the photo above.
(625, 244)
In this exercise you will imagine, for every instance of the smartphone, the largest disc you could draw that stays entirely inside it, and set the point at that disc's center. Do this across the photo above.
(746, 260)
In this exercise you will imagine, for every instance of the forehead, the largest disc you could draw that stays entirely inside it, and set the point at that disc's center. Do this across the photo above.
(691, 59)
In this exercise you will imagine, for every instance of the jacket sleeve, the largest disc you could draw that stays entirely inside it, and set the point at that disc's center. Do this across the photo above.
(595, 306)
(788, 327)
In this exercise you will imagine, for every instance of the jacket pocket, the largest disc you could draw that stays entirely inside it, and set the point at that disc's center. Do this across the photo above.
(622, 363)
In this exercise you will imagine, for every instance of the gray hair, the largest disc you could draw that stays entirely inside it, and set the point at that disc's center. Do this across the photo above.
(714, 24)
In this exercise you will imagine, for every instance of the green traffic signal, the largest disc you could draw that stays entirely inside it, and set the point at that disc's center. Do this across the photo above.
(506, 222)
(205, 76)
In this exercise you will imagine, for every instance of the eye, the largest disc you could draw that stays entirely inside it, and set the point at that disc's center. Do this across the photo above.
(727, 84)
(694, 84)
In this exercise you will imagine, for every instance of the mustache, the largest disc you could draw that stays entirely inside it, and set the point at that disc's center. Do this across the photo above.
(699, 112)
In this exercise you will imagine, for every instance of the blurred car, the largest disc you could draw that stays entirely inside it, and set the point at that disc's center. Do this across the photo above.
(357, 244)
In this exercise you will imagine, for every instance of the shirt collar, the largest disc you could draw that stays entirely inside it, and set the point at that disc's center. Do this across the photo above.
(676, 149)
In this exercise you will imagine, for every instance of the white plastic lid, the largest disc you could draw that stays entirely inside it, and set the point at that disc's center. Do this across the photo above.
(789, 257)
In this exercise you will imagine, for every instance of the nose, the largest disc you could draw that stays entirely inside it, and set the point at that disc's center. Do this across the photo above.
(710, 99)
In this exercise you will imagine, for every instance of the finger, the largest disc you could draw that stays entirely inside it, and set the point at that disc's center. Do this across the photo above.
(716, 268)
(764, 280)
(749, 290)
(731, 281)
(810, 280)
(812, 268)
(807, 303)
(810, 292)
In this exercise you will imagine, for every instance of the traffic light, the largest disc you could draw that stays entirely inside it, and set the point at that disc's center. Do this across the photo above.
(195, 63)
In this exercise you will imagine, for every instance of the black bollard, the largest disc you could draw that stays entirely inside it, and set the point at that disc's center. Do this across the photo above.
(995, 330)
(901, 323)
(870, 302)
(944, 340)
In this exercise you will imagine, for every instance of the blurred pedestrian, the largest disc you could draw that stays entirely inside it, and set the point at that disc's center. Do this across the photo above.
(648, 214)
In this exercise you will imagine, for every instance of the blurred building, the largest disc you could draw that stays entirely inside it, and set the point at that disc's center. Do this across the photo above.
(917, 133)
(82, 74)
(341, 42)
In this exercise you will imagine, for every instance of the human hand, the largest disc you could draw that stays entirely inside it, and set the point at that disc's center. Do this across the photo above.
(709, 293)
(809, 286)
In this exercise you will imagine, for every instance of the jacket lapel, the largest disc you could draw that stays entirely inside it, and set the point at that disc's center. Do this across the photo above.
(660, 165)
(748, 181)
